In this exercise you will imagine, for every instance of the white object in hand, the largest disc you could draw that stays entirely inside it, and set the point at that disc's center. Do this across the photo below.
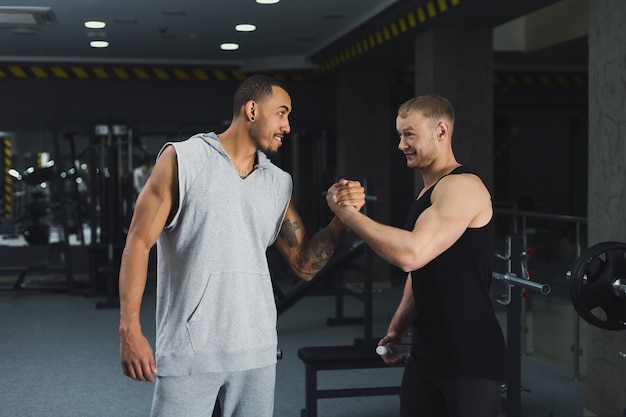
(382, 350)
(393, 351)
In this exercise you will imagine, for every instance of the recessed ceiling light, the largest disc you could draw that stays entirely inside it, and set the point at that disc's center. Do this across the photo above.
(267, 1)
(229, 46)
(245, 27)
(99, 44)
(95, 24)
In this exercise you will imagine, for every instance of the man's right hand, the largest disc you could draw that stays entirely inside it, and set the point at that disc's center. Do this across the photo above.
(392, 338)
(344, 194)
(137, 357)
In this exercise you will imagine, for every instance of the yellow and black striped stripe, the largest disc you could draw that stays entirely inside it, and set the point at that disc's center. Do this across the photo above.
(522, 79)
(156, 73)
(117, 73)
(7, 179)
(52, 72)
(403, 24)
(506, 79)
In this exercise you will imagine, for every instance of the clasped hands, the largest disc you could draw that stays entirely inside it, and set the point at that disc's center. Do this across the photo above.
(345, 197)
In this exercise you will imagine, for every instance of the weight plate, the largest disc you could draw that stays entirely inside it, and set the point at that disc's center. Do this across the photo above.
(590, 285)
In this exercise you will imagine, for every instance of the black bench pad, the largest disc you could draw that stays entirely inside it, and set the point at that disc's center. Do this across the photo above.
(341, 357)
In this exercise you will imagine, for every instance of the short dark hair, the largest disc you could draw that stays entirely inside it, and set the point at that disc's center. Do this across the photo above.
(255, 87)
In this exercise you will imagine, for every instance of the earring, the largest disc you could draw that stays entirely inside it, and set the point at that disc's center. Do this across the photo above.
(252, 118)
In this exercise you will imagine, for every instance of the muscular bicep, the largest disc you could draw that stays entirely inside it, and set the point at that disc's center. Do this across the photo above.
(292, 234)
(458, 203)
(158, 201)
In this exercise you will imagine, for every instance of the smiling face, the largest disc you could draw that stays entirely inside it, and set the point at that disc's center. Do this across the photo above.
(271, 121)
(418, 139)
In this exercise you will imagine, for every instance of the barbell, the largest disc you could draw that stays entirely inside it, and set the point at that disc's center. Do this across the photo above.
(597, 285)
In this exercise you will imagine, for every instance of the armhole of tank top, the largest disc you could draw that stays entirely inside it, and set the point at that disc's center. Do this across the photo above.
(174, 219)
(289, 191)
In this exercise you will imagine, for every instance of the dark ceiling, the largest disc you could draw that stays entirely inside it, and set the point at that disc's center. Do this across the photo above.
(290, 35)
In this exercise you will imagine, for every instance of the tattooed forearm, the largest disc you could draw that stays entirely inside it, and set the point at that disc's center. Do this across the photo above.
(305, 256)
(288, 232)
(317, 252)
(321, 247)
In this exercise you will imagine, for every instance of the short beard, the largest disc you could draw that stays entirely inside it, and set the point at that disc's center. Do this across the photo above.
(254, 132)
(270, 152)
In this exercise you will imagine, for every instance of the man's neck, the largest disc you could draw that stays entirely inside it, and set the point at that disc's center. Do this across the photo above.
(432, 174)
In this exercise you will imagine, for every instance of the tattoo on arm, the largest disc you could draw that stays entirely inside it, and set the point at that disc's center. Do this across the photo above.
(314, 253)
(288, 231)
(322, 247)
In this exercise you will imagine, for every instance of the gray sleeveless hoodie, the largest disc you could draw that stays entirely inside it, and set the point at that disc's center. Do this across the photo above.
(215, 303)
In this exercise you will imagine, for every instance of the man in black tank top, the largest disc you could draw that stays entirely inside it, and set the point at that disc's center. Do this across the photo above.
(458, 359)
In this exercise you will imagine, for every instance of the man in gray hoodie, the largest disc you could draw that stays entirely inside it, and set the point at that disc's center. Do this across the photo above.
(213, 205)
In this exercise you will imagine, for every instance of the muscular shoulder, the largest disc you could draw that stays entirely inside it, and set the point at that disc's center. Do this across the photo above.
(166, 160)
(164, 173)
(467, 193)
(461, 184)
(168, 153)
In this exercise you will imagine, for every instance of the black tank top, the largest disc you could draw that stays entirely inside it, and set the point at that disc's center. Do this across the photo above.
(456, 330)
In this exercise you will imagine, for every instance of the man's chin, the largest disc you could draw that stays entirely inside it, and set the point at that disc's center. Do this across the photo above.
(273, 151)
(269, 152)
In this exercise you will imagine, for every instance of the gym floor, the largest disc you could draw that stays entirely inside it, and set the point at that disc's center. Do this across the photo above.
(59, 357)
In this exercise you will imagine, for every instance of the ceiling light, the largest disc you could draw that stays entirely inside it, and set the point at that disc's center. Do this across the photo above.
(99, 44)
(95, 24)
(229, 46)
(13, 172)
(245, 27)
(267, 1)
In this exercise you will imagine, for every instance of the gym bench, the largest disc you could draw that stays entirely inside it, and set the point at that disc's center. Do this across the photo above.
(20, 282)
(327, 358)
(21, 275)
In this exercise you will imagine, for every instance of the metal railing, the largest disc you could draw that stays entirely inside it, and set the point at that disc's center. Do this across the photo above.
(544, 232)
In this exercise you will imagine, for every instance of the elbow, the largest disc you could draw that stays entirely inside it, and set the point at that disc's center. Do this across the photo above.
(305, 267)
(307, 277)
(410, 263)
(303, 275)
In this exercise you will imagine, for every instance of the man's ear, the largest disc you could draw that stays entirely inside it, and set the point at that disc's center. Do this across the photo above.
(250, 110)
(442, 129)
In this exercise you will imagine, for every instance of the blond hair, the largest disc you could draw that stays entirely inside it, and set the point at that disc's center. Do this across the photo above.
(431, 106)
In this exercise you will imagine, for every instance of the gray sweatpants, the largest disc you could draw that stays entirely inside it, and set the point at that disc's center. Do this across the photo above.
(242, 394)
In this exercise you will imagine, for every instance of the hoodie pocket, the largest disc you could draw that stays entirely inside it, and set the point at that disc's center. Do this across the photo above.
(236, 312)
